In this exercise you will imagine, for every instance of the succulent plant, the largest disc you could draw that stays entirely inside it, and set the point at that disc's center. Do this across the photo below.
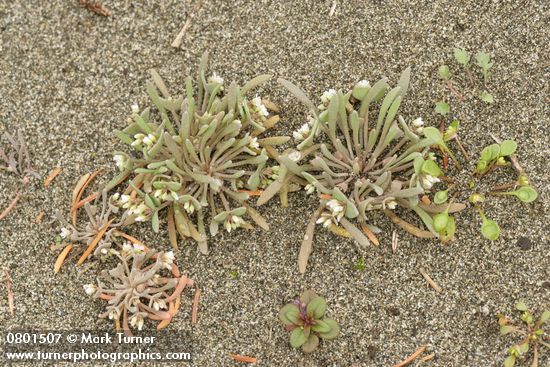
(362, 163)
(306, 321)
(197, 156)
(136, 289)
(17, 160)
(532, 333)
(494, 155)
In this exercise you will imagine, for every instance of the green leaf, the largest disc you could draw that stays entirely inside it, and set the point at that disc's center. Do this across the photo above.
(525, 193)
(521, 306)
(317, 307)
(155, 221)
(490, 229)
(440, 221)
(510, 361)
(461, 56)
(334, 329)
(431, 168)
(442, 108)
(486, 97)
(484, 60)
(311, 344)
(544, 317)
(321, 327)
(444, 72)
(307, 296)
(507, 147)
(524, 348)
(441, 196)
(297, 337)
(289, 314)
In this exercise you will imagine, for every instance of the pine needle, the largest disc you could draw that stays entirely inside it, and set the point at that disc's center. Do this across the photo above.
(53, 174)
(10, 207)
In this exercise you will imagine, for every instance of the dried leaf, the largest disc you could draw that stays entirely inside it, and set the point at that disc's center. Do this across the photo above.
(172, 236)
(61, 258)
(355, 232)
(245, 359)
(11, 302)
(408, 227)
(10, 207)
(307, 242)
(430, 281)
(195, 312)
(256, 217)
(339, 231)
(412, 357)
(53, 174)
(372, 237)
(39, 218)
(94, 243)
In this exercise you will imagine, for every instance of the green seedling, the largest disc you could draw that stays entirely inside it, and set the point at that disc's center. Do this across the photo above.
(441, 197)
(445, 74)
(533, 336)
(527, 194)
(463, 58)
(437, 138)
(360, 265)
(234, 274)
(442, 108)
(489, 228)
(445, 225)
(494, 155)
(484, 62)
(306, 321)
(486, 97)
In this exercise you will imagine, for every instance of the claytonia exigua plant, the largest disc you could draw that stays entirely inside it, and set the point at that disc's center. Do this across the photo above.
(533, 336)
(306, 321)
(144, 285)
(198, 156)
(357, 161)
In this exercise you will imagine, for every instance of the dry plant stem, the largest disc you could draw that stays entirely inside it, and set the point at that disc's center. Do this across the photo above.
(430, 281)
(61, 258)
(245, 359)
(53, 174)
(11, 302)
(427, 358)
(307, 242)
(455, 91)
(94, 243)
(39, 218)
(394, 241)
(513, 157)
(333, 8)
(195, 313)
(412, 357)
(407, 226)
(95, 6)
(372, 237)
(461, 147)
(179, 38)
(11, 206)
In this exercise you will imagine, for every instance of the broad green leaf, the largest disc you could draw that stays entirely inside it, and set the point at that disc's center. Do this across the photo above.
(442, 108)
(444, 72)
(490, 229)
(311, 344)
(521, 306)
(289, 314)
(308, 296)
(440, 197)
(525, 193)
(334, 329)
(510, 361)
(506, 329)
(297, 337)
(461, 56)
(507, 147)
(317, 307)
(431, 168)
(486, 97)
(545, 317)
(321, 327)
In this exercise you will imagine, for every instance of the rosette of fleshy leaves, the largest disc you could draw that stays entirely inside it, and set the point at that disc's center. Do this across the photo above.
(533, 337)
(358, 156)
(197, 156)
(306, 321)
(145, 284)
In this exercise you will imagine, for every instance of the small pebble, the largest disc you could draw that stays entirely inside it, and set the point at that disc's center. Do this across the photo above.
(524, 243)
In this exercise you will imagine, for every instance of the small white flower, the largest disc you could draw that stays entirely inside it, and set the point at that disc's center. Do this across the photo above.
(149, 140)
(159, 304)
(120, 161)
(254, 143)
(137, 321)
(104, 251)
(327, 96)
(127, 247)
(325, 219)
(310, 189)
(363, 84)
(65, 233)
(138, 139)
(167, 259)
(113, 314)
(135, 108)
(295, 156)
(260, 108)
(124, 199)
(137, 248)
(141, 218)
(215, 78)
(115, 196)
(391, 204)
(302, 133)
(90, 289)
(418, 122)
(336, 208)
(189, 207)
(428, 181)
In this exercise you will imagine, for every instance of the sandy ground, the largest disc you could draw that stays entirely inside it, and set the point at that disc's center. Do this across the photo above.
(68, 78)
